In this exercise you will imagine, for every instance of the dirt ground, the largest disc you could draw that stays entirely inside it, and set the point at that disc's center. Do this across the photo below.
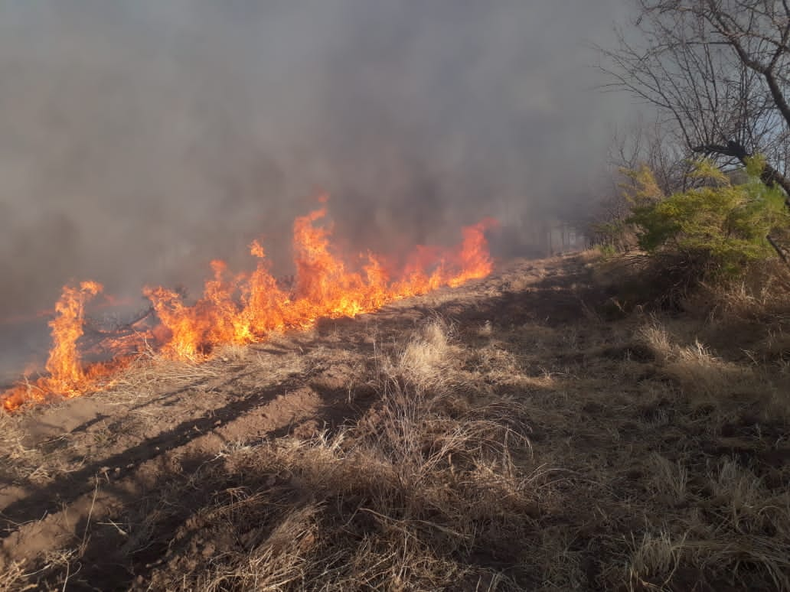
(517, 433)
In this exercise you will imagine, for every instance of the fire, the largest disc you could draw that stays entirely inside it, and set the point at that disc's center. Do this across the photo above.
(67, 377)
(245, 308)
(64, 359)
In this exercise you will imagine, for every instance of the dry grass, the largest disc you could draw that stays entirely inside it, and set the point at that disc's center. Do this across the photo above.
(697, 370)
(22, 461)
(425, 361)
(655, 558)
(145, 377)
(512, 441)
(707, 379)
(400, 500)
(669, 478)
(14, 579)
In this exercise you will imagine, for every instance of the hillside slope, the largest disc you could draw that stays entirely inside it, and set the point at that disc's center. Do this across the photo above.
(505, 435)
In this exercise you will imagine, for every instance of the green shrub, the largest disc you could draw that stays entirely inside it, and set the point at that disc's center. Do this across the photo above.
(606, 250)
(718, 226)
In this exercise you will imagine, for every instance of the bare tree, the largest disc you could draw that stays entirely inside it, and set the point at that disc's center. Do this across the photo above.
(718, 70)
(632, 147)
(650, 144)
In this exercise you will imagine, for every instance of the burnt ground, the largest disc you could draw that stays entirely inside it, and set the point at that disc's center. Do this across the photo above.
(518, 433)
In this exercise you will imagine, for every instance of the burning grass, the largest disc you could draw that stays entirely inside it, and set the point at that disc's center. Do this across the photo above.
(243, 308)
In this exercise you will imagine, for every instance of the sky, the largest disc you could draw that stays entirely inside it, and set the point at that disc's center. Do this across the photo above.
(139, 140)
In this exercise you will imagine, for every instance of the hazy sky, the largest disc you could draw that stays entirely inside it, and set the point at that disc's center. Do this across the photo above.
(139, 139)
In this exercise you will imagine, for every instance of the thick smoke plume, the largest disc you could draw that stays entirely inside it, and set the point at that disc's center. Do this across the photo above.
(139, 140)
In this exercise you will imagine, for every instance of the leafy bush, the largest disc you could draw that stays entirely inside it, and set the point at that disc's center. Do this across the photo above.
(717, 226)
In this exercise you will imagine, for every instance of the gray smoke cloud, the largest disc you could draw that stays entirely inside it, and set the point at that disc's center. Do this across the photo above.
(139, 140)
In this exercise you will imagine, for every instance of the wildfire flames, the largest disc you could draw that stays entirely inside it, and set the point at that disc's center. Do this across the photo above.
(246, 307)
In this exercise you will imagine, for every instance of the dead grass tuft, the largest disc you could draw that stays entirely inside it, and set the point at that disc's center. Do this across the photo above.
(669, 478)
(425, 360)
(14, 579)
(654, 560)
(694, 367)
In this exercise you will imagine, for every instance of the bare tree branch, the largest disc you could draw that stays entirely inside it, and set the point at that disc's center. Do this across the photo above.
(720, 69)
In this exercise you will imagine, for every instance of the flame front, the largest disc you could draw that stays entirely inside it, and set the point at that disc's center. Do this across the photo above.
(245, 308)
(67, 377)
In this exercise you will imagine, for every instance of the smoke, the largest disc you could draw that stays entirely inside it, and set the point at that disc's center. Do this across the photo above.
(139, 140)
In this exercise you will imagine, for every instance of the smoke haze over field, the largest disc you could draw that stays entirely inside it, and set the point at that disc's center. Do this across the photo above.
(138, 140)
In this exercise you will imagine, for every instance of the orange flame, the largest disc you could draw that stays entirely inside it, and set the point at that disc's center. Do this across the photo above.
(66, 375)
(64, 359)
(245, 308)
